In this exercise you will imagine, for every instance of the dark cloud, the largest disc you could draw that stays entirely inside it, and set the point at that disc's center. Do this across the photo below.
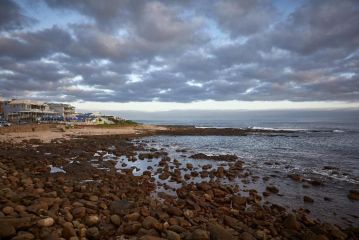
(319, 25)
(11, 17)
(184, 51)
(244, 17)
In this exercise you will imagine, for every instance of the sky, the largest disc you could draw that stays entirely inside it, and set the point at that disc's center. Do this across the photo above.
(163, 55)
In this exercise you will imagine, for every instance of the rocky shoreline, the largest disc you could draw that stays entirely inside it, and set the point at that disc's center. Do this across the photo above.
(57, 190)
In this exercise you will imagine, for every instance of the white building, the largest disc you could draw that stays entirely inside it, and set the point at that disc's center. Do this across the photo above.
(19, 110)
(65, 110)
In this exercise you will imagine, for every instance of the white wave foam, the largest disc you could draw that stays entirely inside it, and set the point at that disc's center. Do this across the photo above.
(56, 169)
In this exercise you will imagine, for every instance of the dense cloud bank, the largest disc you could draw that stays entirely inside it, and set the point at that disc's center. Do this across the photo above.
(180, 51)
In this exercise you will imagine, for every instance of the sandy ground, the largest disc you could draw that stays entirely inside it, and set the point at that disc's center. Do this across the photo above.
(48, 135)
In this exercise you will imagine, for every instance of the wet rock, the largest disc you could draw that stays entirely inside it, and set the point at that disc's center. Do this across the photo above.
(120, 207)
(46, 222)
(228, 158)
(92, 220)
(295, 177)
(272, 189)
(200, 234)
(308, 199)
(353, 195)
(164, 176)
(189, 166)
(93, 233)
(291, 222)
(238, 201)
(217, 232)
(7, 230)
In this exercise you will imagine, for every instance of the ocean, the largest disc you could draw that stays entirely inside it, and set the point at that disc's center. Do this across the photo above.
(323, 147)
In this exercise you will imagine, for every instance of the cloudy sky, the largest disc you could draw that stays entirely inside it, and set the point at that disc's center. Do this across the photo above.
(160, 55)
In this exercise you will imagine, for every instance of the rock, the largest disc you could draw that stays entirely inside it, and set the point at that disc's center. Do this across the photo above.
(353, 194)
(188, 213)
(150, 222)
(93, 198)
(230, 221)
(68, 230)
(133, 216)
(238, 201)
(174, 211)
(20, 208)
(290, 222)
(92, 220)
(6, 230)
(8, 210)
(120, 207)
(145, 211)
(272, 189)
(176, 228)
(46, 222)
(131, 228)
(172, 235)
(23, 222)
(308, 199)
(115, 219)
(93, 233)
(295, 177)
(150, 237)
(79, 212)
(199, 234)
(23, 236)
(189, 165)
(217, 232)
(247, 236)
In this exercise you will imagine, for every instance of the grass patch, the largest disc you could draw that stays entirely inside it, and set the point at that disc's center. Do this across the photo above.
(120, 123)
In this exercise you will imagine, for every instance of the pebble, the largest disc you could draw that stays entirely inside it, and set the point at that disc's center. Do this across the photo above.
(93, 233)
(8, 210)
(200, 234)
(46, 222)
(68, 230)
(172, 235)
(92, 220)
(115, 219)
(217, 232)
